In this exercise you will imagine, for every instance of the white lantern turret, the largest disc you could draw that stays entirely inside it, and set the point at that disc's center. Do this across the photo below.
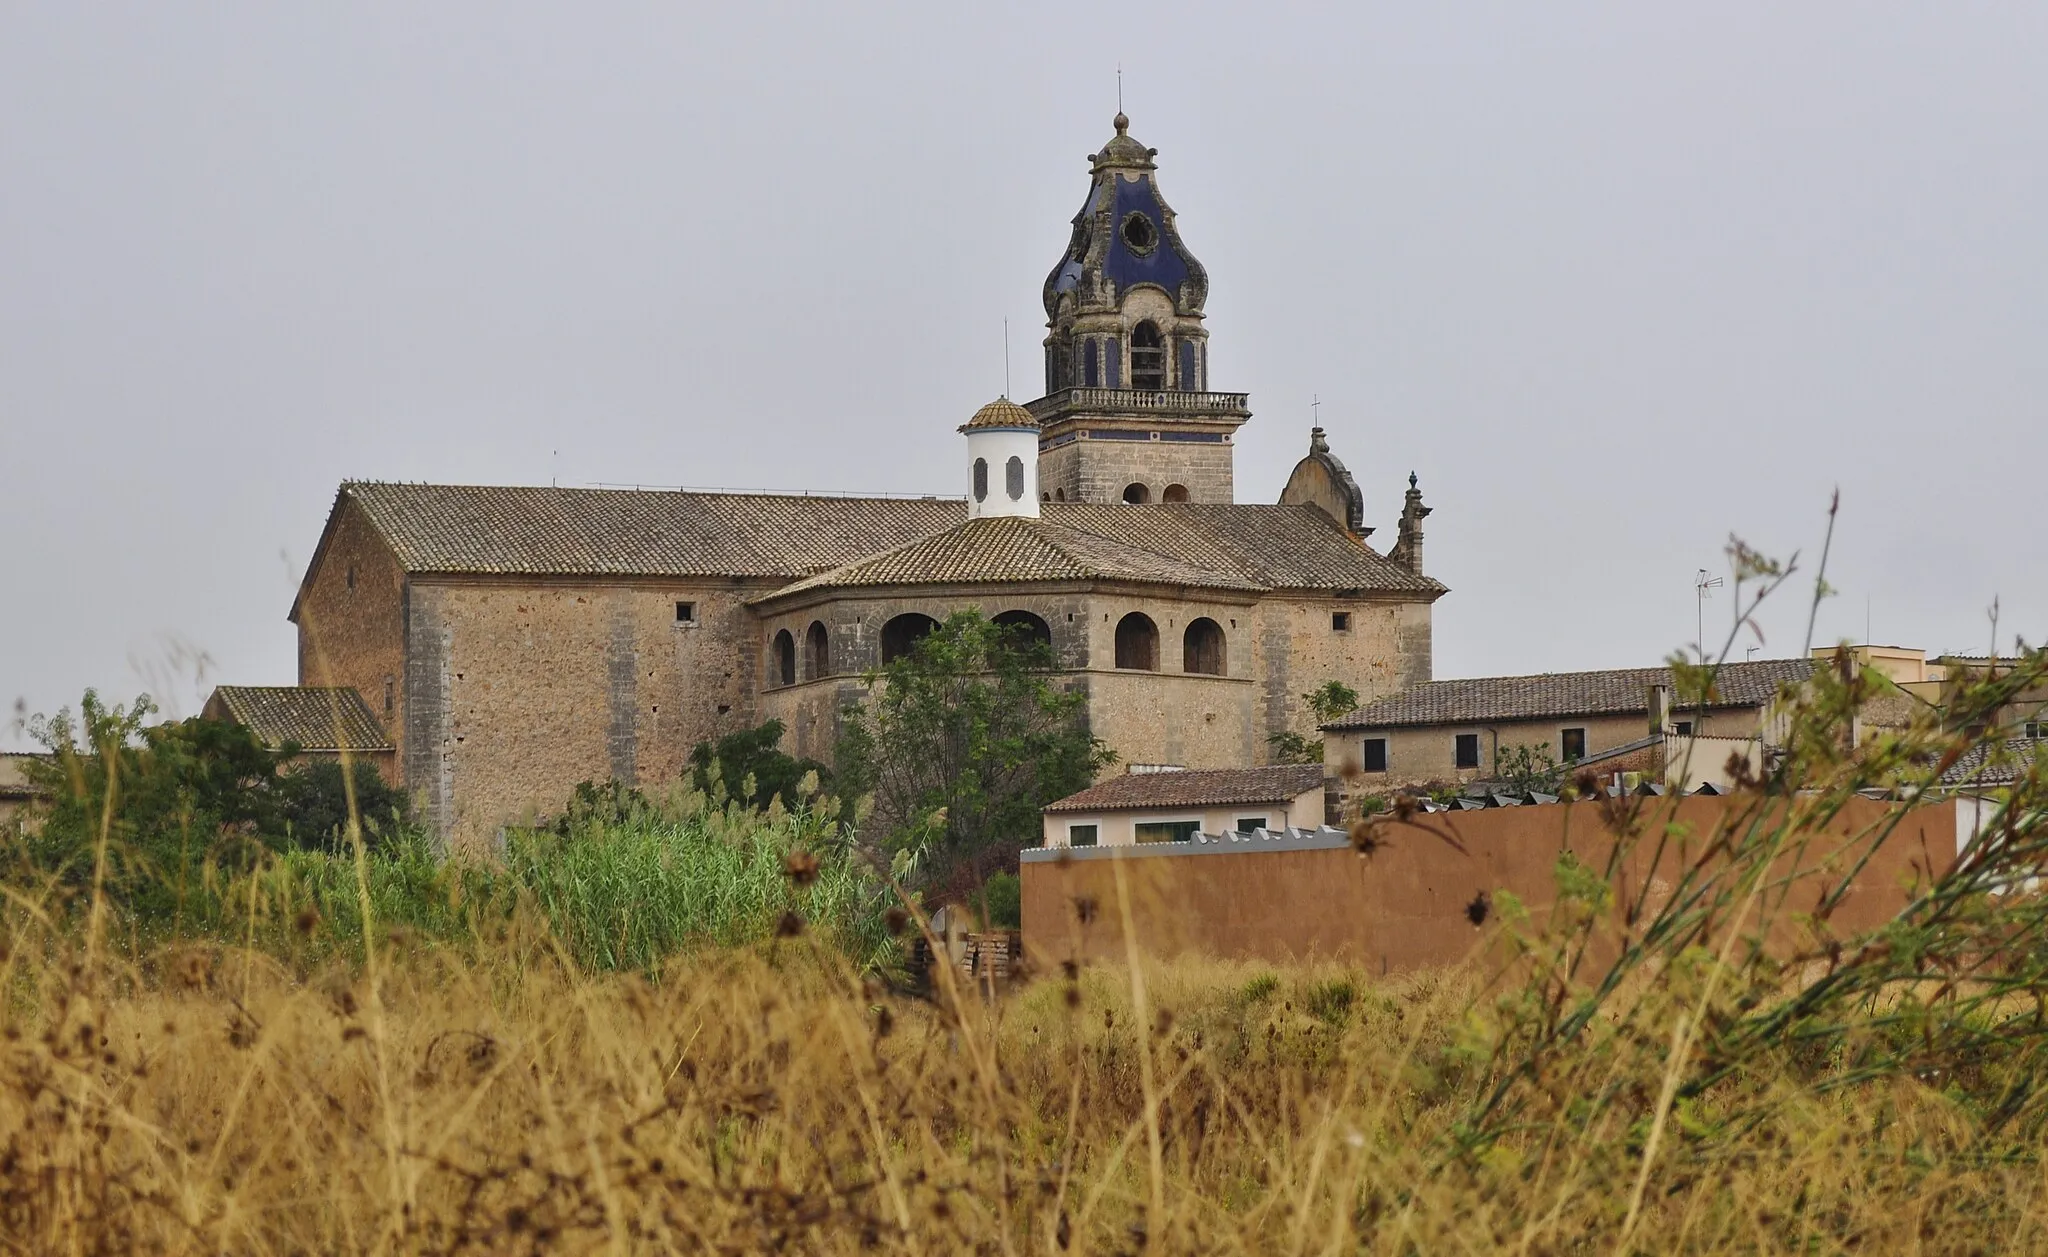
(1002, 456)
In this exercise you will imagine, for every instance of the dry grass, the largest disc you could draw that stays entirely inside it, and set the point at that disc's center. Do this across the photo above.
(767, 1100)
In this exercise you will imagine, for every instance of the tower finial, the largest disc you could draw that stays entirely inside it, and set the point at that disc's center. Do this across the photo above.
(1411, 479)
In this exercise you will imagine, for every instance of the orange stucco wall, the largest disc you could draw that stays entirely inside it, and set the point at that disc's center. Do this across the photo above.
(1405, 905)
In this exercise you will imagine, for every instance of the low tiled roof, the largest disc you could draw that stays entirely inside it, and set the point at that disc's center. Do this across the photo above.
(1994, 763)
(14, 782)
(1618, 691)
(1232, 546)
(318, 718)
(489, 529)
(1217, 787)
(1015, 548)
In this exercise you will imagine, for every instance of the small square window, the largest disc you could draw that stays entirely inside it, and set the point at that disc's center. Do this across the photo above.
(1683, 728)
(686, 613)
(1080, 835)
(1574, 744)
(1468, 750)
(1246, 824)
(1340, 621)
(1375, 755)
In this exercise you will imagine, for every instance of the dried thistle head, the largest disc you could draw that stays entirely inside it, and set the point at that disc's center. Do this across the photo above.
(308, 920)
(1479, 909)
(789, 926)
(1084, 909)
(895, 920)
(1365, 837)
(801, 867)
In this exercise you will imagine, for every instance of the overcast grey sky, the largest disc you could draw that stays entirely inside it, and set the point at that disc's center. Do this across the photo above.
(1615, 280)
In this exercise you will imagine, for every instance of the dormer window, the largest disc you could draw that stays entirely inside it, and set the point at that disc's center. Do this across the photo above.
(1148, 357)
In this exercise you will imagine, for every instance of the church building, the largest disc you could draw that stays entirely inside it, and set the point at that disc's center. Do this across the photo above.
(513, 641)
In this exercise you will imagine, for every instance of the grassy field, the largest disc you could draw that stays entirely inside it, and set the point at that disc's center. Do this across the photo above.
(685, 1030)
(766, 1099)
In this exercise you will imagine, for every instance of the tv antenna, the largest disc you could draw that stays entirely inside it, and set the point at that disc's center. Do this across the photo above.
(1701, 584)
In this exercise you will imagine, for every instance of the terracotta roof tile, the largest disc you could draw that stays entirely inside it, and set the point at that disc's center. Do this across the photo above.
(1997, 763)
(1476, 700)
(317, 718)
(1015, 548)
(480, 529)
(1216, 787)
(485, 529)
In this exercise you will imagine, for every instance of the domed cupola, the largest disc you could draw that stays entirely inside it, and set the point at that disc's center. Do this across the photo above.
(1002, 453)
(1126, 354)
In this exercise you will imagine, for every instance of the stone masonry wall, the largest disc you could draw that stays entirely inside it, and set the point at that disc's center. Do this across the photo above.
(518, 692)
(1385, 650)
(351, 621)
(1089, 470)
(1274, 651)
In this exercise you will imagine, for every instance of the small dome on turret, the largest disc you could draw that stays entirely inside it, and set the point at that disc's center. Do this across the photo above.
(1124, 151)
(1000, 413)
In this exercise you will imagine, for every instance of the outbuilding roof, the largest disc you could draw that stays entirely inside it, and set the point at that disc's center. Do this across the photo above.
(1615, 691)
(1185, 788)
(1996, 763)
(316, 718)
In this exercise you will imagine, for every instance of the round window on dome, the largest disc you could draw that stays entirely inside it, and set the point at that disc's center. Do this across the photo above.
(1139, 233)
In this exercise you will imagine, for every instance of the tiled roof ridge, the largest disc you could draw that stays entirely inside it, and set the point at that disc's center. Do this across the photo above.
(1058, 539)
(316, 717)
(1536, 696)
(796, 495)
(1194, 787)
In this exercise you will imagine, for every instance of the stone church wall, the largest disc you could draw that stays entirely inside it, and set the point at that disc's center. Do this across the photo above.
(1093, 470)
(351, 621)
(519, 692)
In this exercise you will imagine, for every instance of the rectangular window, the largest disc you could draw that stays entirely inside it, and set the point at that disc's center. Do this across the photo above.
(1080, 835)
(1375, 755)
(1187, 367)
(1683, 728)
(686, 612)
(1113, 351)
(1089, 372)
(1574, 744)
(1468, 750)
(1340, 621)
(1167, 831)
(390, 694)
(2037, 729)
(1246, 824)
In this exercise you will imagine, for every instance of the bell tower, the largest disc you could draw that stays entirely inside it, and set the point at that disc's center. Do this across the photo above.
(1127, 414)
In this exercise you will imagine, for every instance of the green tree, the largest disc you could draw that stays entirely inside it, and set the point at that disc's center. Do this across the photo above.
(171, 799)
(1326, 702)
(753, 755)
(314, 803)
(963, 740)
(1528, 766)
